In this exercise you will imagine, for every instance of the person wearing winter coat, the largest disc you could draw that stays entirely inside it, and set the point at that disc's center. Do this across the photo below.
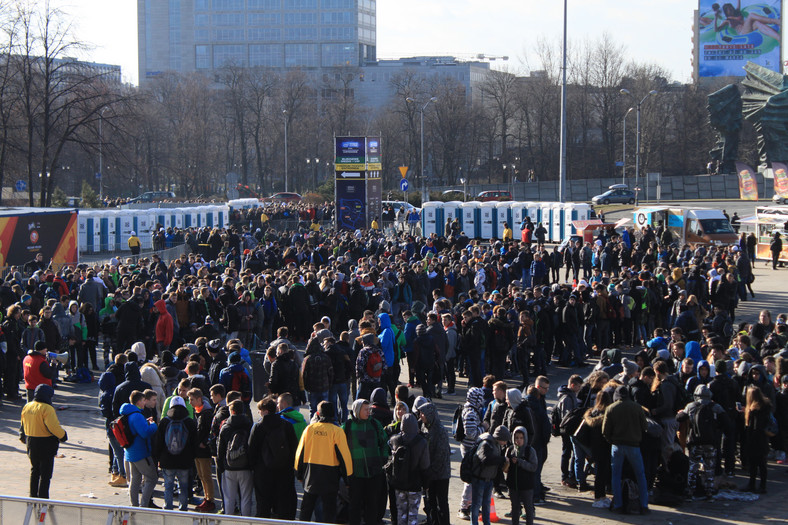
(342, 361)
(284, 372)
(368, 449)
(322, 457)
(472, 424)
(707, 422)
(567, 401)
(518, 413)
(42, 433)
(237, 479)
(436, 331)
(437, 489)
(174, 451)
(273, 445)
(203, 417)
(379, 408)
(150, 374)
(107, 383)
(123, 391)
(164, 327)
(427, 354)
(139, 454)
(36, 370)
(409, 496)
(487, 464)
(665, 413)
(452, 345)
(317, 372)
(520, 468)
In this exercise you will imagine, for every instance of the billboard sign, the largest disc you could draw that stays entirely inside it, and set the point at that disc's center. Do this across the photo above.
(730, 34)
(748, 186)
(373, 154)
(53, 234)
(351, 209)
(780, 179)
(350, 153)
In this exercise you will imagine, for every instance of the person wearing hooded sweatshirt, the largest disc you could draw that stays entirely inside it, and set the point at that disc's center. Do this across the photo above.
(42, 433)
(273, 446)
(321, 459)
(368, 376)
(725, 392)
(237, 479)
(133, 382)
(366, 440)
(379, 408)
(426, 352)
(36, 370)
(487, 465)
(472, 424)
(668, 387)
(707, 422)
(520, 478)
(175, 452)
(164, 327)
(409, 495)
(623, 426)
(437, 490)
(317, 371)
(701, 377)
(107, 383)
(138, 454)
(235, 377)
(386, 336)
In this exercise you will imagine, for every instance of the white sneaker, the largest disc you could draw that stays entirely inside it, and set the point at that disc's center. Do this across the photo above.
(601, 503)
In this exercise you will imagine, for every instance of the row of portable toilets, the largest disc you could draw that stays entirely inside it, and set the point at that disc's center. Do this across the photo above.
(109, 230)
(485, 220)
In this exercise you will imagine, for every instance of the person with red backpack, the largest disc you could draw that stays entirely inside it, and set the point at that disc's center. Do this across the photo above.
(235, 377)
(370, 367)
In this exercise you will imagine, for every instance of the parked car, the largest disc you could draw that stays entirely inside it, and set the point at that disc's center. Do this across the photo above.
(285, 196)
(397, 205)
(494, 195)
(779, 200)
(153, 196)
(617, 193)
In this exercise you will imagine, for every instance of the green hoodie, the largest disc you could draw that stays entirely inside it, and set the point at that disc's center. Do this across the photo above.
(296, 418)
(368, 445)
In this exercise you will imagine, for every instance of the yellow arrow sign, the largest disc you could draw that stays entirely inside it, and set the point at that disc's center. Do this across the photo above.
(404, 171)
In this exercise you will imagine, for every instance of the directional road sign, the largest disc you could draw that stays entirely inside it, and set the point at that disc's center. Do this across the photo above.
(403, 185)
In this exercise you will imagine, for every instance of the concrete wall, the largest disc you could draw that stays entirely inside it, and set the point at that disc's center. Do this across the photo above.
(691, 187)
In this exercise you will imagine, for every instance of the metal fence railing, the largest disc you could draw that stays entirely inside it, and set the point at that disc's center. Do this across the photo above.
(29, 511)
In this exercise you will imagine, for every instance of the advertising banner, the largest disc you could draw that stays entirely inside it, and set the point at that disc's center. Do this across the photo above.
(23, 235)
(374, 198)
(748, 186)
(731, 33)
(780, 179)
(350, 154)
(373, 154)
(351, 209)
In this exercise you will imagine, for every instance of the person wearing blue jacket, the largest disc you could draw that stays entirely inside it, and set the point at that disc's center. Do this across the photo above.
(387, 337)
(139, 453)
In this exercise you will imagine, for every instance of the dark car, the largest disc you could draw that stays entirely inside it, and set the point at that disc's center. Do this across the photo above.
(284, 196)
(615, 195)
(494, 195)
(153, 196)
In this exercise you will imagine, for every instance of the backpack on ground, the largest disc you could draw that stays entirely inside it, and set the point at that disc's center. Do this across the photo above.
(176, 436)
(122, 431)
(240, 383)
(704, 425)
(374, 368)
(468, 464)
(398, 468)
(457, 425)
(237, 455)
(571, 421)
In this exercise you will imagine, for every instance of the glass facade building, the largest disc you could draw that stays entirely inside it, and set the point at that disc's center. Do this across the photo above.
(202, 35)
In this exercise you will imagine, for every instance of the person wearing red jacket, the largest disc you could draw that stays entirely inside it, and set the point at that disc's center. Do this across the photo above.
(36, 369)
(164, 327)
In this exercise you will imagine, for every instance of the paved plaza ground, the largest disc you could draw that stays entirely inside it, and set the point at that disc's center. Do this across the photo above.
(81, 472)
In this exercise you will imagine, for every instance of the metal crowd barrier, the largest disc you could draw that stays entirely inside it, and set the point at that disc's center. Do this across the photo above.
(29, 511)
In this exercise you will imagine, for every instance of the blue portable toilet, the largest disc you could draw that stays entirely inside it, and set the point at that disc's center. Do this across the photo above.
(470, 219)
(503, 213)
(430, 222)
(488, 226)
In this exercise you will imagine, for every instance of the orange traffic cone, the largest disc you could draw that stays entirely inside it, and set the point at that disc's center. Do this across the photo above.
(493, 515)
(574, 284)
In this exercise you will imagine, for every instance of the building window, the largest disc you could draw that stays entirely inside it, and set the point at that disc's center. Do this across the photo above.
(228, 35)
(336, 17)
(263, 19)
(224, 55)
(300, 33)
(202, 57)
(302, 55)
(263, 34)
(300, 19)
(265, 55)
(228, 19)
(264, 4)
(338, 33)
(228, 5)
(300, 4)
(339, 55)
(202, 5)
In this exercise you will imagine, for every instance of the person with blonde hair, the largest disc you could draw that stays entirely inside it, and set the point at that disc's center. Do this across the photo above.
(757, 412)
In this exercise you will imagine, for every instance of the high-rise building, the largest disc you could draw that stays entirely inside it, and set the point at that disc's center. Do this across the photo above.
(204, 35)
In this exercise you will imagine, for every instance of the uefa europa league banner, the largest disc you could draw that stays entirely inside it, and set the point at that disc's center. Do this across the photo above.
(748, 186)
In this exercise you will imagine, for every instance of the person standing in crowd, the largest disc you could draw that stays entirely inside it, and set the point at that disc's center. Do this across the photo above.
(36, 369)
(322, 457)
(437, 482)
(520, 467)
(488, 461)
(139, 454)
(273, 446)
(173, 447)
(42, 434)
(203, 415)
(234, 461)
(407, 476)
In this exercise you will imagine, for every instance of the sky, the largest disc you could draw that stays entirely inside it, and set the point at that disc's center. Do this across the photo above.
(651, 31)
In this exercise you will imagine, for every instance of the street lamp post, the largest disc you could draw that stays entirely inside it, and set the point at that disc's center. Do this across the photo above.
(421, 172)
(284, 112)
(464, 194)
(624, 148)
(562, 161)
(101, 158)
(637, 135)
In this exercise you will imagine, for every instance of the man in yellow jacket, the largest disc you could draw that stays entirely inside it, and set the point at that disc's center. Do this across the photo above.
(134, 243)
(322, 457)
(42, 433)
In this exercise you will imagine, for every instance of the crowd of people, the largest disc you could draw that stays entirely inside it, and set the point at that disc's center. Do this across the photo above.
(679, 382)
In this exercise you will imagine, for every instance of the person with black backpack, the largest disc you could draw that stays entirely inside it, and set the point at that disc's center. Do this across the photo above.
(407, 469)
(707, 422)
(233, 458)
(273, 444)
(173, 448)
(567, 407)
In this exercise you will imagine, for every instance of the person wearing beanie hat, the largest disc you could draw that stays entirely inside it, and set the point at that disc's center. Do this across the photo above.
(631, 368)
(42, 433)
(322, 457)
(520, 467)
(490, 459)
(36, 370)
(235, 377)
(368, 448)
(502, 435)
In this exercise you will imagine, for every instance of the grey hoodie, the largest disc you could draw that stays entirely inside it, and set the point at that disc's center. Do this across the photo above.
(438, 441)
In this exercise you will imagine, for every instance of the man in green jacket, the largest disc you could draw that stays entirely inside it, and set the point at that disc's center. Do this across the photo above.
(369, 450)
(623, 426)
